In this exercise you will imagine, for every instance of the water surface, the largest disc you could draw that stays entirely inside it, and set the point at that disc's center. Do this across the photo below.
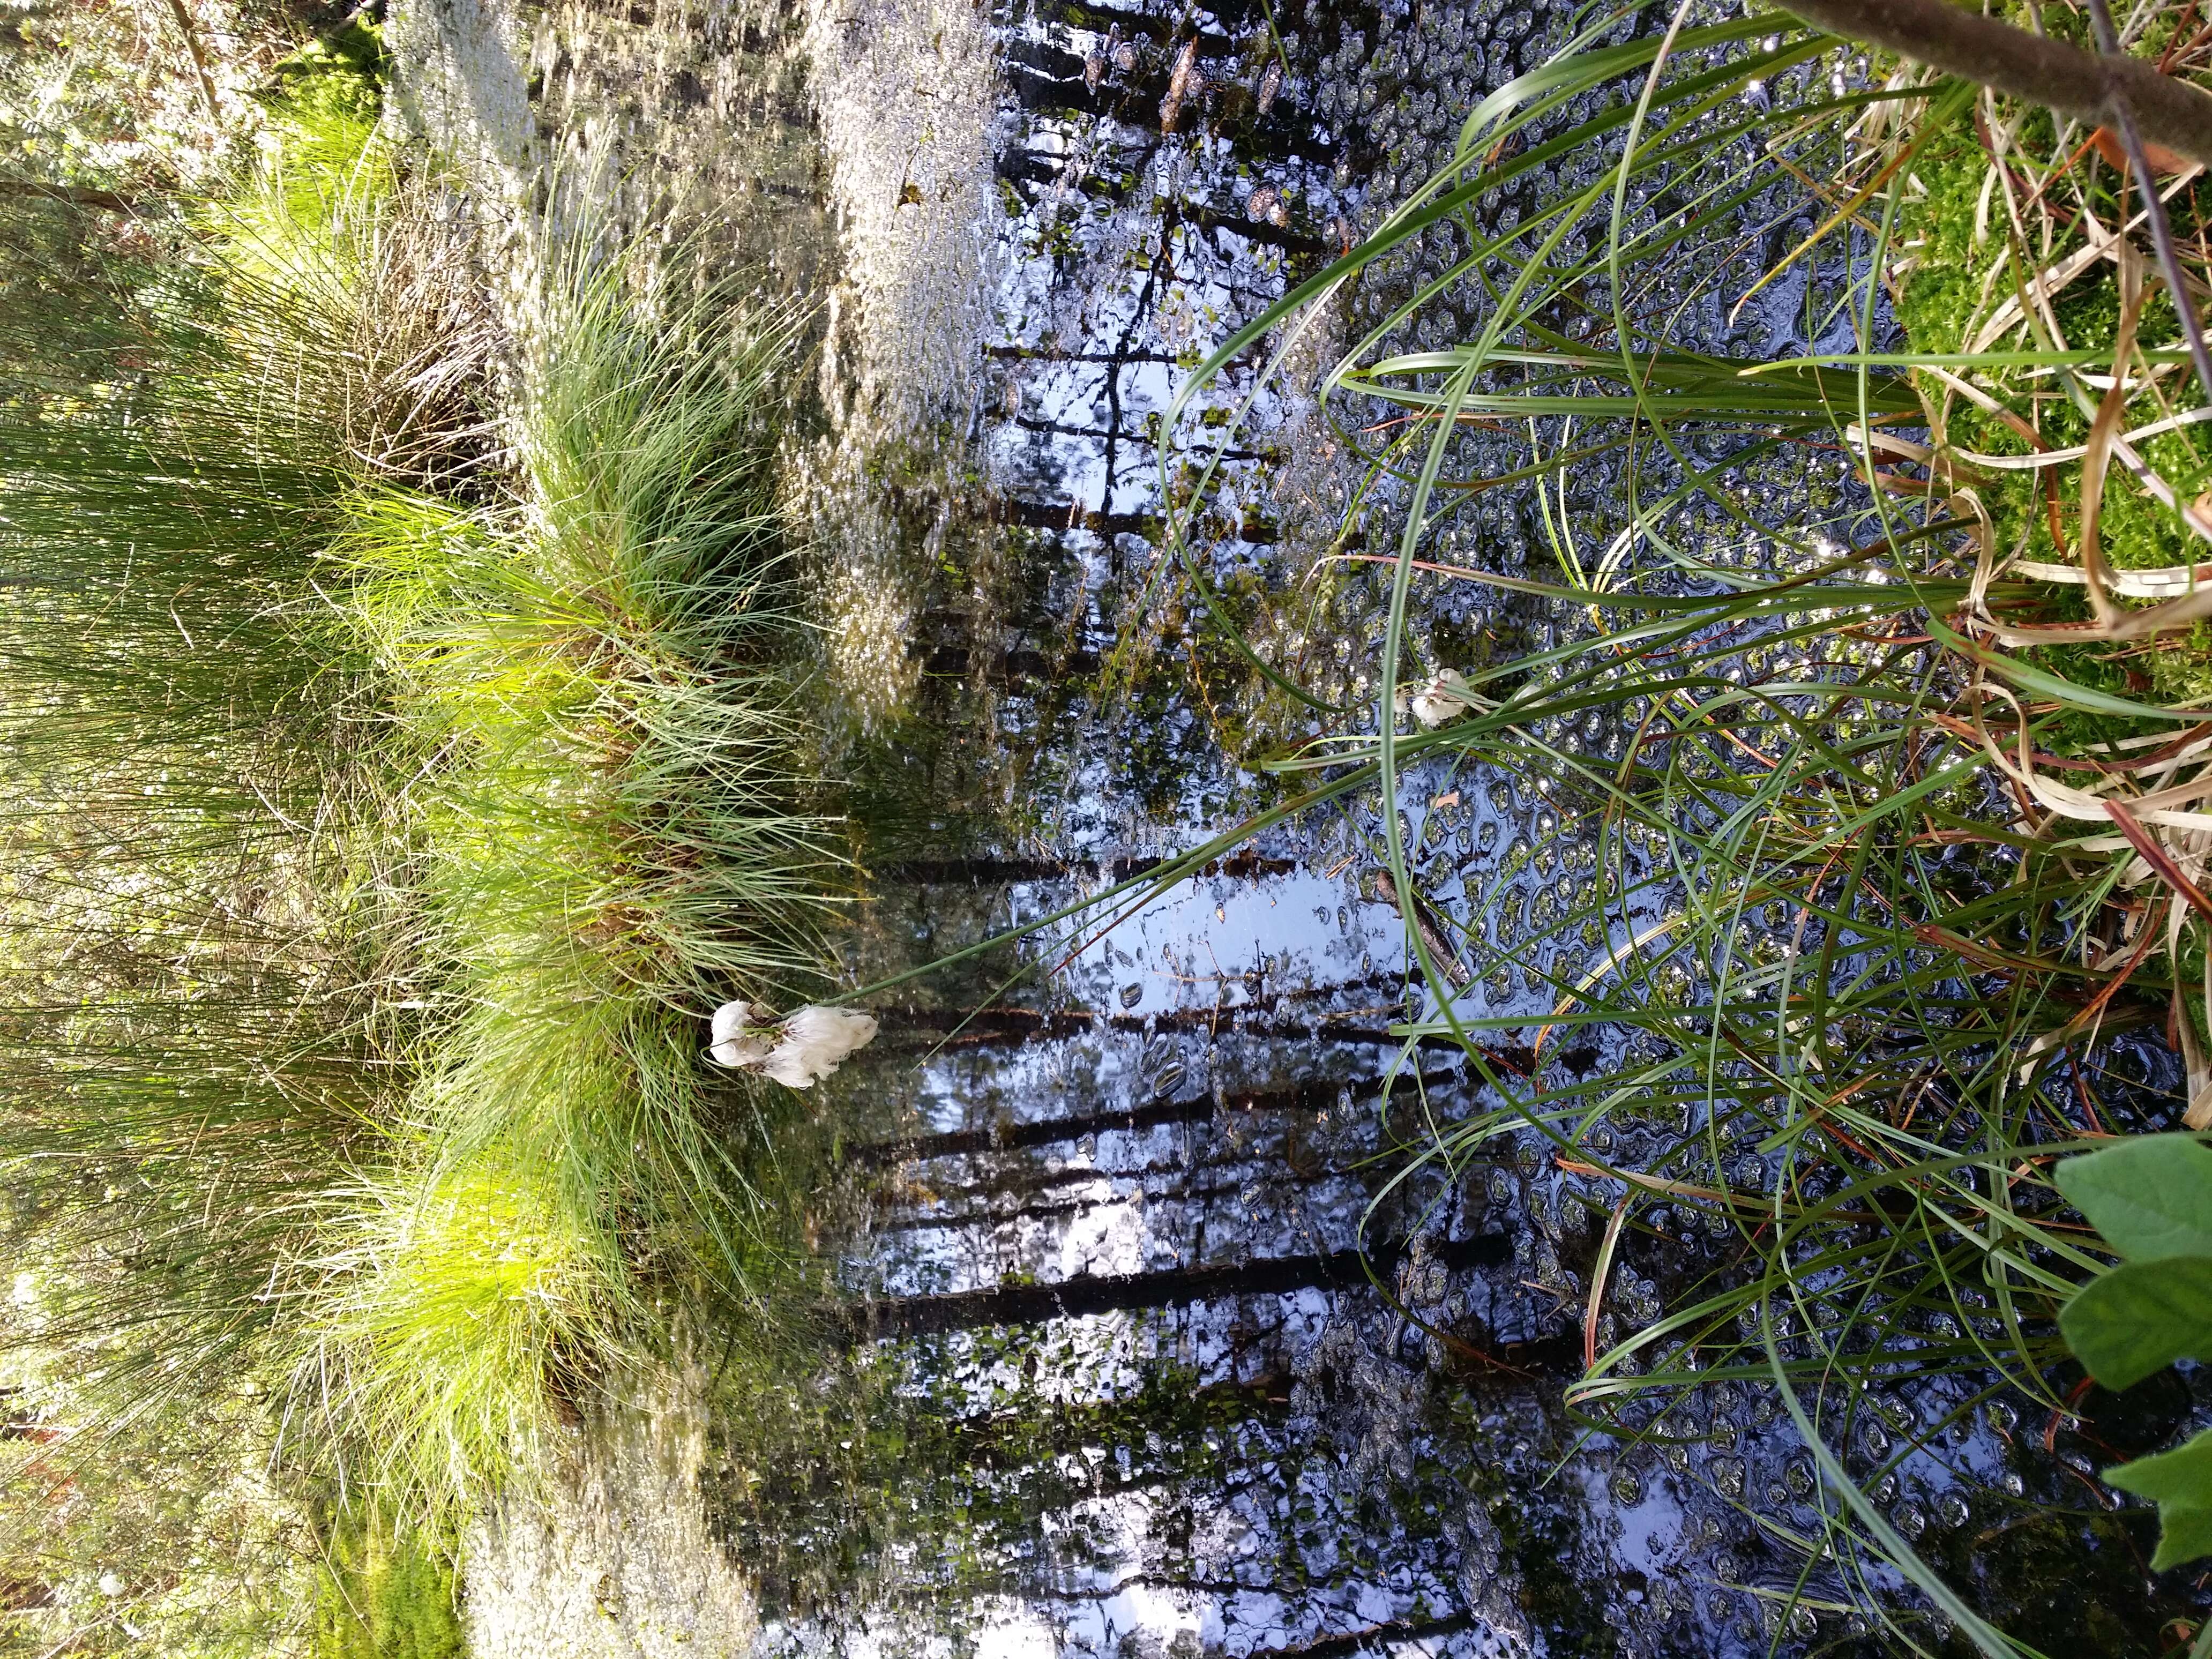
(1170, 1352)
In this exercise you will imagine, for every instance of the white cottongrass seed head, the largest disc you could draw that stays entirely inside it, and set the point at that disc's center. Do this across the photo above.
(1444, 695)
(816, 1041)
(798, 1051)
(743, 1033)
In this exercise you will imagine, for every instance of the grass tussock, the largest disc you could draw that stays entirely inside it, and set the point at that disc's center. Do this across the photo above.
(603, 846)
(399, 766)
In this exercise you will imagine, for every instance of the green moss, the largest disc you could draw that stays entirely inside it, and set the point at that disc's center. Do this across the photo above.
(1948, 289)
(341, 73)
(386, 1592)
(1945, 287)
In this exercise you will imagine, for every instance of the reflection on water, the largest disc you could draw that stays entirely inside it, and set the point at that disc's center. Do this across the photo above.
(612, 1560)
(1169, 1347)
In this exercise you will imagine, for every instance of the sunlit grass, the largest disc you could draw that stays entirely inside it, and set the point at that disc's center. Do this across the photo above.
(462, 1312)
(603, 848)
(399, 778)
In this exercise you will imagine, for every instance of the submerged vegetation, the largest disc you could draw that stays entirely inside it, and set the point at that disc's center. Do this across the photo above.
(1882, 844)
(383, 1593)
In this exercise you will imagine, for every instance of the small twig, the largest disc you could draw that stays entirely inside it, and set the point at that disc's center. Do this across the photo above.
(199, 58)
(1419, 911)
(75, 195)
(2052, 73)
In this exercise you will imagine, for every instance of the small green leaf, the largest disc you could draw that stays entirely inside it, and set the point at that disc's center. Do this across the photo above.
(2182, 1476)
(2150, 1195)
(2140, 1316)
(2183, 1535)
(2180, 1483)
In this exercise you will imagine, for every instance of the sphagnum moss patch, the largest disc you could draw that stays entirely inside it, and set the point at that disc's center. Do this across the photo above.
(1959, 264)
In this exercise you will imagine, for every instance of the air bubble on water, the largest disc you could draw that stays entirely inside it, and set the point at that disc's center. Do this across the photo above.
(1728, 1476)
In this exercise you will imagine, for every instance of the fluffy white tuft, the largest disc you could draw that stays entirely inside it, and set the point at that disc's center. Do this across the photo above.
(742, 1034)
(1445, 697)
(816, 1041)
(798, 1051)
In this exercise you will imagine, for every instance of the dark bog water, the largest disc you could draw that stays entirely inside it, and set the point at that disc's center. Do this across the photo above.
(1174, 1347)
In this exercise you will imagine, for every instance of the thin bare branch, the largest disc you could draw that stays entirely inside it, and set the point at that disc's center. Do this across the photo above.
(2059, 76)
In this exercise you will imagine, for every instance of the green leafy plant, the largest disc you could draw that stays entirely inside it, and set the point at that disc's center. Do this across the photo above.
(2151, 1198)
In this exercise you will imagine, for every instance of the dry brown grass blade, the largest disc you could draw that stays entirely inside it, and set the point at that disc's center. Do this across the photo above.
(1599, 1275)
(2086, 1022)
(2130, 625)
(2097, 452)
(2156, 856)
(2163, 161)
(2165, 581)
(2114, 625)
(2163, 807)
(2166, 619)
(2054, 278)
(1658, 929)
(1755, 1204)
(2165, 754)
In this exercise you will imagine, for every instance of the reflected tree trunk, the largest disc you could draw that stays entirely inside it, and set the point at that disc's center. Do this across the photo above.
(1320, 1096)
(1101, 1294)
